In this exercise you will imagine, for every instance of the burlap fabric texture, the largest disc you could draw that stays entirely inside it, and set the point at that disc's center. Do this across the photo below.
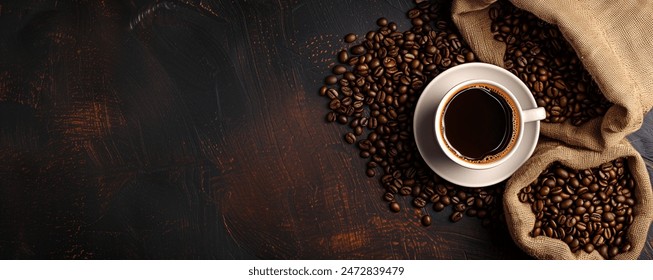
(612, 39)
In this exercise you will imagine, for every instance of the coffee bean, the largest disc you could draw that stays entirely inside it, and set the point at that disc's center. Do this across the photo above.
(626, 248)
(598, 240)
(472, 201)
(342, 119)
(419, 202)
(608, 217)
(334, 104)
(595, 217)
(456, 216)
(538, 86)
(405, 191)
(574, 244)
(357, 50)
(523, 197)
(557, 194)
(494, 13)
(339, 69)
(331, 80)
(446, 62)
(382, 22)
(539, 206)
(562, 173)
(545, 189)
(603, 250)
(343, 57)
(426, 220)
(470, 57)
(607, 233)
(566, 203)
(536, 232)
(388, 196)
(438, 206)
(350, 138)
(522, 61)
(560, 84)
(630, 202)
(332, 93)
(445, 200)
(350, 37)
(346, 101)
(574, 183)
(394, 207)
(365, 144)
(331, 117)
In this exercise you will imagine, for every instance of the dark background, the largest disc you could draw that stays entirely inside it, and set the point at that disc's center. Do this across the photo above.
(193, 129)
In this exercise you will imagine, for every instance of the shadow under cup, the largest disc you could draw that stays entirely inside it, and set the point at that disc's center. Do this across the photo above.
(478, 124)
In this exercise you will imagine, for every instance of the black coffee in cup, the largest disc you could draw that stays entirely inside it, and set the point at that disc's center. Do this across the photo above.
(480, 123)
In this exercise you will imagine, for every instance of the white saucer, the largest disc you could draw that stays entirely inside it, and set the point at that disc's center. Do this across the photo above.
(424, 122)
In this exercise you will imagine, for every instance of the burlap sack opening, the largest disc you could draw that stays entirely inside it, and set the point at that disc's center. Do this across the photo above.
(520, 218)
(611, 39)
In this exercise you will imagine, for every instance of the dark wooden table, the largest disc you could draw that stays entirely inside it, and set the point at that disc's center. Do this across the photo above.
(193, 129)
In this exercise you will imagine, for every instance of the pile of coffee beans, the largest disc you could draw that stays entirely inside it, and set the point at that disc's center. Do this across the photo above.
(538, 54)
(588, 209)
(374, 89)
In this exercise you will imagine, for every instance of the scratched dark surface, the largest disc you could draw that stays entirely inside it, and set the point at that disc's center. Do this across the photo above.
(193, 130)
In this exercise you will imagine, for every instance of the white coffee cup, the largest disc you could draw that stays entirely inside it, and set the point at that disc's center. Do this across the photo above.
(519, 118)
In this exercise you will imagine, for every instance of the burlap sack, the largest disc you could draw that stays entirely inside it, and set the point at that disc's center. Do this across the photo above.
(520, 218)
(612, 39)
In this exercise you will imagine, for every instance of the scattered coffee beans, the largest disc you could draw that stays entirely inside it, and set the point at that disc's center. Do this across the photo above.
(374, 89)
(537, 53)
(589, 209)
(378, 81)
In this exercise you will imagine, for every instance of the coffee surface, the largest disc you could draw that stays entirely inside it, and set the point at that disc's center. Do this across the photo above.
(478, 124)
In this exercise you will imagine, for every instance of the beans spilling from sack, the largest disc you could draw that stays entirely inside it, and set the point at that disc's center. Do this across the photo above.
(539, 55)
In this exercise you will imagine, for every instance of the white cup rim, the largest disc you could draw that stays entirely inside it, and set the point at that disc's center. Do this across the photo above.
(441, 142)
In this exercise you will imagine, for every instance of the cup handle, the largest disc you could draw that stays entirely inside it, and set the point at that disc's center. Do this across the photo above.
(536, 114)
